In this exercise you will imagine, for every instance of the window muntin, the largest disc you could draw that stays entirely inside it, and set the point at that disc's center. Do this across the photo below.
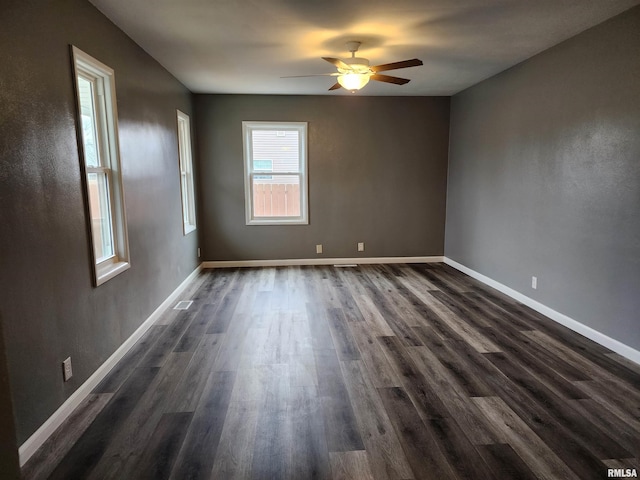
(97, 124)
(275, 173)
(187, 189)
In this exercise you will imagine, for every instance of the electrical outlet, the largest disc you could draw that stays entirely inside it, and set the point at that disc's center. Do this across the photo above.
(534, 282)
(361, 246)
(198, 252)
(318, 248)
(67, 370)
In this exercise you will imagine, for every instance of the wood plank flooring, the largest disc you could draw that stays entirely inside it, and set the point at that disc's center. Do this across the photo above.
(371, 373)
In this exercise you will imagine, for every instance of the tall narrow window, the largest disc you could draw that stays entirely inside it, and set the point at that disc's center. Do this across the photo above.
(98, 135)
(275, 166)
(186, 174)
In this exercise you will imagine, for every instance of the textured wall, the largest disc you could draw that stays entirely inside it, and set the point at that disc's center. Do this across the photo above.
(377, 174)
(9, 465)
(544, 178)
(48, 306)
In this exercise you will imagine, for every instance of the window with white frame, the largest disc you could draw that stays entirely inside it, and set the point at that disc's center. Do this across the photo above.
(186, 174)
(275, 167)
(100, 158)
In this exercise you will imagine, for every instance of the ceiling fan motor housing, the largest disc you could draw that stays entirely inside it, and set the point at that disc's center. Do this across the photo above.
(356, 65)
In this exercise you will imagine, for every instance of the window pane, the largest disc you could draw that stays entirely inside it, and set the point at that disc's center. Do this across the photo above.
(98, 145)
(88, 116)
(276, 196)
(186, 174)
(100, 216)
(185, 198)
(275, 167)
(280, 152)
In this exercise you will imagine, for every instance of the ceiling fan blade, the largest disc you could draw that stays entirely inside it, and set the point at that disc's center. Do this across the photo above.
(390, 79)
(314, 75)
(336, 86)
(337, 62)
(395, 65)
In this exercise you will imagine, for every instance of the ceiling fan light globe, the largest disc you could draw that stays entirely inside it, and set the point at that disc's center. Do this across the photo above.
(353, 81)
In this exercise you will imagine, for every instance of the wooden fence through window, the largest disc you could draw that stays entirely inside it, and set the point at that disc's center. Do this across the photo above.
(276, 200)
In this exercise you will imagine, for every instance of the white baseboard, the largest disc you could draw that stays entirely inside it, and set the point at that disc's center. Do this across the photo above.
(592, 334)
(35, 441)
(320, 261)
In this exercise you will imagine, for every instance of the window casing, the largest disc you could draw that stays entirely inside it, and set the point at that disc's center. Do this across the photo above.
(275, 171)
(187, 190)
(100, 163)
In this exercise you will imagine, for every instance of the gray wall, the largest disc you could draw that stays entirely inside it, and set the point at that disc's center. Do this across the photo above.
(48, 306)
(377, 174)
(9, 465)
(544, 178)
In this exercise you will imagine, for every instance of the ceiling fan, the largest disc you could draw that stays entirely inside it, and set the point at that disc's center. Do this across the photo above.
(354, 73)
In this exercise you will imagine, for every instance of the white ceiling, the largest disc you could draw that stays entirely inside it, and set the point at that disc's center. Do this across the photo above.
(245, 46)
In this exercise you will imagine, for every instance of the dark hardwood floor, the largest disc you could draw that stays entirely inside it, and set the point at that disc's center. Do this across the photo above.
(371, 372)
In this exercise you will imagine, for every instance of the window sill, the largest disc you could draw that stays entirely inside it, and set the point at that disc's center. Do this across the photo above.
(279, 221)
(109, 271)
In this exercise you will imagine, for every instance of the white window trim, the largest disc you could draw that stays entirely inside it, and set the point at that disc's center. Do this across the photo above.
(301, 128)
(186, 169)
(107, 269)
